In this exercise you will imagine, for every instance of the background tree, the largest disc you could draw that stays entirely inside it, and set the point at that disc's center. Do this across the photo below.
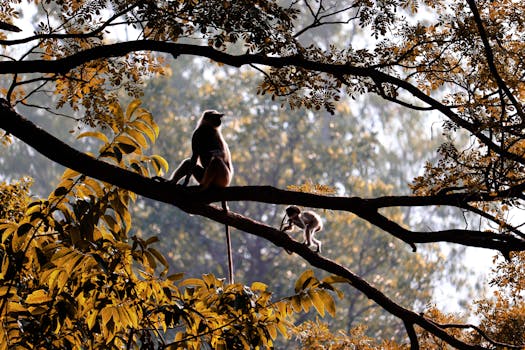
(463, 63)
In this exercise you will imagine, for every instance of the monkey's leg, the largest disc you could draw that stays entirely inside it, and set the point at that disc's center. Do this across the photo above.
(307, 236)
(286, 228)
(317, 243)
(228, 246)
(186, 168)
(182, 170)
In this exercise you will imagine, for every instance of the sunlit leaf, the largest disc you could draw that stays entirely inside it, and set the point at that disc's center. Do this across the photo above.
(175, 276)
(160, 164)
(258, 286)
(132, 107)
(138, 138)
(328, 302)
(159, 257)
(39, 296)
(317, 302)
(192, 282)
(304, 281)
(95, 134)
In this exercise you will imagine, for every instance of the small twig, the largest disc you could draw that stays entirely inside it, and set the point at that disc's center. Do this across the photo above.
(49, 110)
(480, 332)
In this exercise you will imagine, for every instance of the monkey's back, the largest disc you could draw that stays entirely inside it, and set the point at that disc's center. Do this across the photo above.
(309, 217)
(207, 141)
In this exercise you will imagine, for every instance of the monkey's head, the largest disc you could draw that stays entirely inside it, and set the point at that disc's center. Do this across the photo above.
(292, 211)
(211, 117)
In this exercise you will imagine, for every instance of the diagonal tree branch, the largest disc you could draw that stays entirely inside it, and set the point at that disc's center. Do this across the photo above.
(61, 153)
(314, 259)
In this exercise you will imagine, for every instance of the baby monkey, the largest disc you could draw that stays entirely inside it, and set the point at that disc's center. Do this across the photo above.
(307, 220)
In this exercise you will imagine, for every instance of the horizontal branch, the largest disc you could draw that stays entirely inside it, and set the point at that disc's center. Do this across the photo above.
(367, 209)
(338, 70)
(61, 36)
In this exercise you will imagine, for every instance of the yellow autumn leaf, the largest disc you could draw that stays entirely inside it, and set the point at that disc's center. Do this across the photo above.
(39, 296)
(159, 163)
(91, 318)
(306, 302)
(159, 257)
(132, 107)
(106, 314)
(95, 186)
(138, 137)
(296, 303)
(317, 302)
(7, 290)
(95, 134)
(328, 301)
(15, 307)
(258, 286)
(145, 128)
(334, 279)
(304, 281)
(126, 140)
(70, 173)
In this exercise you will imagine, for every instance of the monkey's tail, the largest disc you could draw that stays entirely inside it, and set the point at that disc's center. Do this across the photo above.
(228, 247)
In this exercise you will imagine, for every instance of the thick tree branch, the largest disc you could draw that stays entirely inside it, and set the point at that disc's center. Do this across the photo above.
(61, 153)
(367, 209)
(65, 64)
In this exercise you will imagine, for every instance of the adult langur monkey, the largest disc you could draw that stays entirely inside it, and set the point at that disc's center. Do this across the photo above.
(210, 164)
